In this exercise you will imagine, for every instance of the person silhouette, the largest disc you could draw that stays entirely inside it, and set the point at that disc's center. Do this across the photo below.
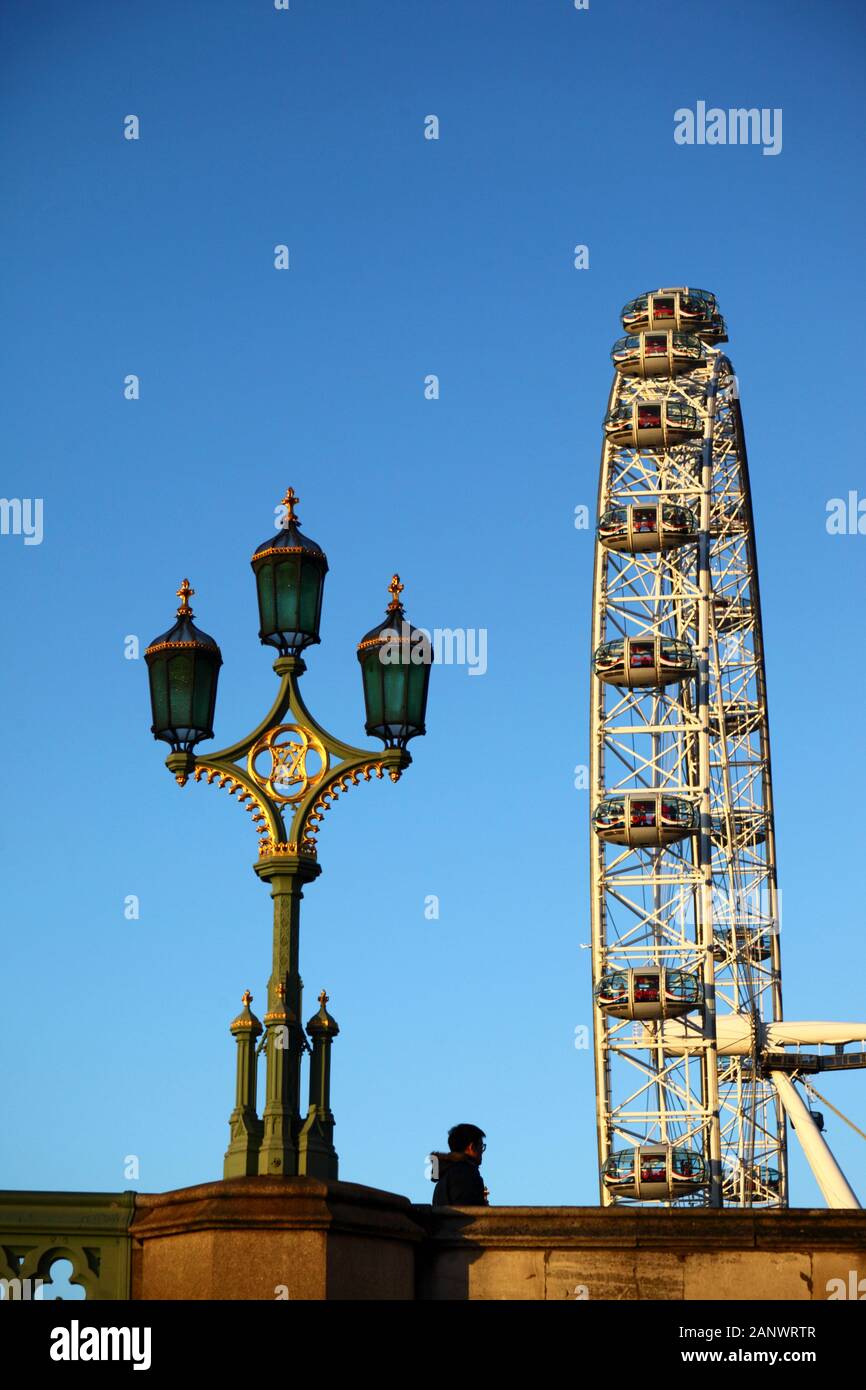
(458, 1181)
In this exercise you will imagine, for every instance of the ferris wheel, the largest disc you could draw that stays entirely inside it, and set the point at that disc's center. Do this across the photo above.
(695, 1069)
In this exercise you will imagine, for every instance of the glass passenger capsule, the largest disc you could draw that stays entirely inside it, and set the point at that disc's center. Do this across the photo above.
(657, 354)
(761, 1183)
(738, 717)
(731, 613)
(652, 424)
(648, 991)
(727, 519)
(693, 311)
(636, 529)
(749, 827)
(765, 1182)
(654, 1172)
(636, 662)
(750, 946)
(641, 819)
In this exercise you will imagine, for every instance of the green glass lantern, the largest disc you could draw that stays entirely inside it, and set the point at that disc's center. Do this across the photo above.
(395, 664)
(290, 574)
(183, 666)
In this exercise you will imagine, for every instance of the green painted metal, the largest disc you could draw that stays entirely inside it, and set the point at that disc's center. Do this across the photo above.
(245, 1128)
(89, 1229)
(290, 571)
(284, 1040)
(395, 662)
(284, 1143)
(183, 668)
(346, 758)
(317, 1157)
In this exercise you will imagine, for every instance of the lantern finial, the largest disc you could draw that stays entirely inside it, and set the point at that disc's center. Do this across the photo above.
(323, 998)
(184, 593)
(289, 503)
(395, 589)
(246, 998)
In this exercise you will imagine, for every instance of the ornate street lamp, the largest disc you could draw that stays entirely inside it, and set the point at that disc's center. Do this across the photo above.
(287, 775)
(290, 574)
(395, 661)
(183, 666)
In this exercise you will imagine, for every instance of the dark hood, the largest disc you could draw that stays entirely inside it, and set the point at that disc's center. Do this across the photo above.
(449, 1160)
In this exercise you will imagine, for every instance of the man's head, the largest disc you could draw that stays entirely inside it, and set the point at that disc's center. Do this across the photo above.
(467, 1139)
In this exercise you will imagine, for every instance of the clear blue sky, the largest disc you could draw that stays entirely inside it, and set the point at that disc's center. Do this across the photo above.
(407, 257)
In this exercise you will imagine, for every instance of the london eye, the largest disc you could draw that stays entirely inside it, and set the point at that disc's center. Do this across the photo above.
(695, 1069)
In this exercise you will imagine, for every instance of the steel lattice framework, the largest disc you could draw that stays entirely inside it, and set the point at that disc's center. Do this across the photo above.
(703, 904)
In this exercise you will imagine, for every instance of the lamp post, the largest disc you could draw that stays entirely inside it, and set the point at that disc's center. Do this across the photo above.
(287, 774)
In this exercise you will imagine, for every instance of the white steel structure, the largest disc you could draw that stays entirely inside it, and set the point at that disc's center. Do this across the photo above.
(685, 942)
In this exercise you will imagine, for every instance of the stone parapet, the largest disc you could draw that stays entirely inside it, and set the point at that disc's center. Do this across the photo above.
(315, 1239)
(629, 1253)
(272, 1238)
(89, 1229)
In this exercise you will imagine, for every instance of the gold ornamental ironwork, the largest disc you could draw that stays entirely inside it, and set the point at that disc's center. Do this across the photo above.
(290, 749)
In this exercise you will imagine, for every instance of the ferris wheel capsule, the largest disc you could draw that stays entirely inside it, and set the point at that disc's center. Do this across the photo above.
(637, 662)
(748, 827)
(691, 310)
(657, 354)
(759, 1184)
(649, 991)
(738, 717)
(651, 424)
(764, 1182)
(654, 1172)
(742, 945)
(638, 529)
(727, 519)
(731, 613)
(644, 819)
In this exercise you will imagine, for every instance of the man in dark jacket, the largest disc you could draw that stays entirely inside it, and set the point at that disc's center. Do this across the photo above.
(458, 1181)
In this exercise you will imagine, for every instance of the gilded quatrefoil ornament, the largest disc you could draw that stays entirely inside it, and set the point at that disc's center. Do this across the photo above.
(290, 749)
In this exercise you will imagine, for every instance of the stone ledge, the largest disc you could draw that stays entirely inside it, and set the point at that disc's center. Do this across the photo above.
(89, 1229)
(625, 1254)
(263, 1237)
(642, 1228)
(251, 1238)
(298, 1203)
(107, 1213)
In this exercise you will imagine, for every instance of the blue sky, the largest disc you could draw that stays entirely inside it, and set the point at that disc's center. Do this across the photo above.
(408, 257)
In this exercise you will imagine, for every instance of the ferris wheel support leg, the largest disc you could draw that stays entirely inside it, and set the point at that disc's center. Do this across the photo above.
(828, 1175)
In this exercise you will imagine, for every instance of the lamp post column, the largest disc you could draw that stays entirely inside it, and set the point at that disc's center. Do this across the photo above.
(268, 772)
(284, 1042)
(317, 1156)
(245, 1129)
